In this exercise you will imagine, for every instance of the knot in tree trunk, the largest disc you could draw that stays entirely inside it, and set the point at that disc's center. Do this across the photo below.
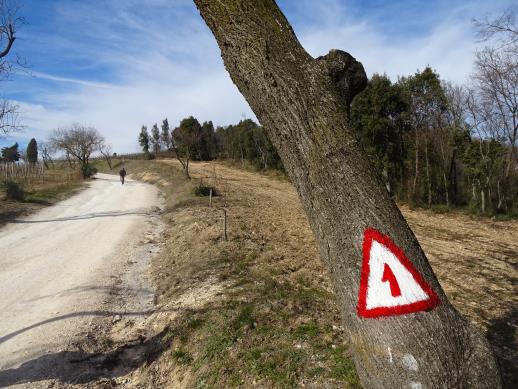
(347, 74)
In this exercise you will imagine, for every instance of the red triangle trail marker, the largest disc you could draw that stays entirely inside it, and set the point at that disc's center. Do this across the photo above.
(389, 284)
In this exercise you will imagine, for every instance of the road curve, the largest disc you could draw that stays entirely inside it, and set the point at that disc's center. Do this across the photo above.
(58, 265)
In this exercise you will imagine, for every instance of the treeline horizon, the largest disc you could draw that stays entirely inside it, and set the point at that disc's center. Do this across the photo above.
(434, 144)
(424, 137)
(244, 141)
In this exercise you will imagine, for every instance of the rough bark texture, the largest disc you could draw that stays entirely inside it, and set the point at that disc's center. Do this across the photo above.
(302, 102)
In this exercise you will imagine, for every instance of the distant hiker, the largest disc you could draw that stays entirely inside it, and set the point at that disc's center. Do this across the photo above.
(122, 173)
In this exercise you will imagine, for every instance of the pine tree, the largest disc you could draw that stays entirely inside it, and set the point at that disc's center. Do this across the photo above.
(155, 138)
(11, 154)
(377, 116)
(144, 139)
(166, 134)
(32, 151)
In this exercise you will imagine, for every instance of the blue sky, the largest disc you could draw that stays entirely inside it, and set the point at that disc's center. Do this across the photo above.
(120, 64)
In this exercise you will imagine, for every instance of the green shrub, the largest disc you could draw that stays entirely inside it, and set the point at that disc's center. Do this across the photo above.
(13, 190)
(182, 357)
(88, 171)
(473, 207)
(203, 190)
(440, 208)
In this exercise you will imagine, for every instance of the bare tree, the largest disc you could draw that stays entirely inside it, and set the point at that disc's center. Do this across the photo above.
(8, 117)
(107, 153)
(8, 24)
(502, 28)
(78, 142)
(303, 104)
(496, 81)
(47, 151)
(494, 98)
(450, 132)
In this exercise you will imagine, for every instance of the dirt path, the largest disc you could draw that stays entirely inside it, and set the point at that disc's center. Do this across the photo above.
(68, 265)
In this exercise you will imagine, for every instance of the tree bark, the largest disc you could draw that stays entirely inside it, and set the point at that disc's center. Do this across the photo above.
(446, 189)
(428, 179)
(302, 103)
(416, 172)
(452, 177)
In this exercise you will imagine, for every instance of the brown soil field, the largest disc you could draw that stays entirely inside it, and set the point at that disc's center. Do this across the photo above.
(258, 310)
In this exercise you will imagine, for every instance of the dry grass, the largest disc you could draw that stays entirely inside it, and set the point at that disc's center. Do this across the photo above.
(258, 310)
(57, 185)
(476, 261)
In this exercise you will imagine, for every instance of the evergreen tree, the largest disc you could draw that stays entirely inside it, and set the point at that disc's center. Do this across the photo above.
(186, 138)
(166, 134)
(11, 154)
(155, 138)
(427, 104)
(207, 144)
(32, 151)
(144, 139)
(377, 115)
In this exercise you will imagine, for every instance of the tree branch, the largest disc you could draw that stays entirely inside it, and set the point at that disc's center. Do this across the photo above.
(10, 40)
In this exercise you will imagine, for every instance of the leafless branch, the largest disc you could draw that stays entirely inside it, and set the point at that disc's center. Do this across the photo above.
(503, 28)
(8, 117)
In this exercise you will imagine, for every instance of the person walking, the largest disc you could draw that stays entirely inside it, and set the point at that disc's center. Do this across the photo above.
(122, 174)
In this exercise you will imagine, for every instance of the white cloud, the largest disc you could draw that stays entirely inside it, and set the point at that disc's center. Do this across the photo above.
(170, 67)
(448, 48)
(50, 77)
(158, 72)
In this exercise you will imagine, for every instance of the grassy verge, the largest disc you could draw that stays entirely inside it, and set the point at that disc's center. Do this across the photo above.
(60, 184)
(467, 210)
(51, 194)
(258, 308)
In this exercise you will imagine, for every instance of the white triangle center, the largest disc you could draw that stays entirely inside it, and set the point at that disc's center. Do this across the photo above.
(379, 293)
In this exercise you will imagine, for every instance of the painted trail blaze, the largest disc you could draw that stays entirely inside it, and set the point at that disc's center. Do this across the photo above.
(391, 278)
(389, 283)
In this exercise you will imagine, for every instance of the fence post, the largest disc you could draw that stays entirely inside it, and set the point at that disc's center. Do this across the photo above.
(225, 222)
(210, 198)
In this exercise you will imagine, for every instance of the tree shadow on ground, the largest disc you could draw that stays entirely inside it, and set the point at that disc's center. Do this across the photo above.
(13, 334)
(94, 215)
(501, 334)
(7, 215)
(81, 367)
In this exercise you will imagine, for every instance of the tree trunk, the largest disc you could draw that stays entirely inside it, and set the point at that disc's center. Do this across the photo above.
(446, 189)
(428, 179)
(186, 169)
(416, 173)
(453, 176)
(69, 161)
(387, 180)
(302, 103)
(500, 199)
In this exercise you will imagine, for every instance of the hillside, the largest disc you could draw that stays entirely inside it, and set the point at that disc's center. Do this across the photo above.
(258, 310)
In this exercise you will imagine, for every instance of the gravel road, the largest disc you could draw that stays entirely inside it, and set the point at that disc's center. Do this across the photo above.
(59, 269)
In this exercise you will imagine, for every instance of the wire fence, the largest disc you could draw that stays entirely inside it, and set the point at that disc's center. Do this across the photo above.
(26, 171)
(36, 173)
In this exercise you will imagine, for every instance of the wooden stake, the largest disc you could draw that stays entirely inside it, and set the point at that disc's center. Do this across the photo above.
(210, 198)
(225, 216)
